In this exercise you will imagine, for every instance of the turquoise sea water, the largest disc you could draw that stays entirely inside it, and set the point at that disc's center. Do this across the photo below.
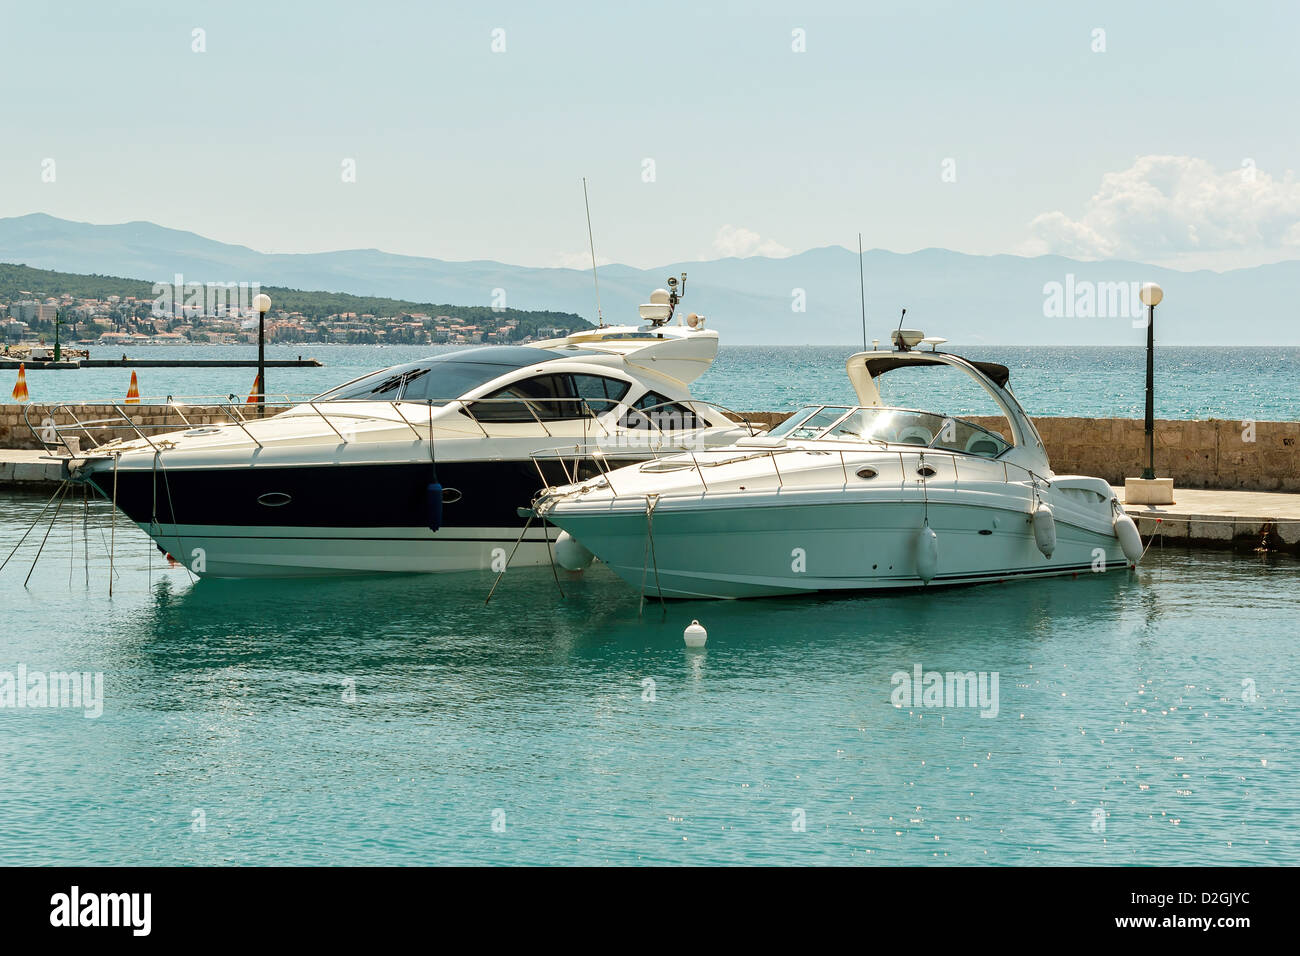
(1256, 383)
(394, 720)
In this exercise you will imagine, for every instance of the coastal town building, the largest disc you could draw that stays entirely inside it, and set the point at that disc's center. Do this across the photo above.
(115, 320)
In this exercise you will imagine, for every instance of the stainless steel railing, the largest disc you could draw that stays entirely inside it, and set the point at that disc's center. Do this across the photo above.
(697, 460)
(608, 418)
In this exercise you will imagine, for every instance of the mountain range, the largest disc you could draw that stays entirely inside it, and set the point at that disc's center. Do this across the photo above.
(811, 298)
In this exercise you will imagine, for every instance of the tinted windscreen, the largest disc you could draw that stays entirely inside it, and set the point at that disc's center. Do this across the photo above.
(441, 378)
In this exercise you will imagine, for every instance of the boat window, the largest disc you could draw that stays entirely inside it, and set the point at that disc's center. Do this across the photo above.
(551, 398)
(440, 378)
(818, 422)
(653, 410)
(898, 426)
(959, 435)
(600, 392)
(860, 425)
(385, 386)
(793, 422)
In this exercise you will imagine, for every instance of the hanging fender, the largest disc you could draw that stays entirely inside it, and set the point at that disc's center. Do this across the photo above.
(927, 553)
(1044, 528)
(1129, 539)
(571, 554)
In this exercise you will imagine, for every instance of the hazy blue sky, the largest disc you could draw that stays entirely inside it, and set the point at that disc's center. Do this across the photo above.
(462, 152)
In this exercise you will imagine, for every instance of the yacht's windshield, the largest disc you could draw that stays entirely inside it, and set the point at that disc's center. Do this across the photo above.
(809, 422)
(894, 425)
(442, 377)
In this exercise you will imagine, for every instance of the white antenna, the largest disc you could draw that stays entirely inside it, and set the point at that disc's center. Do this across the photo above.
(600, 319)
(862, 288)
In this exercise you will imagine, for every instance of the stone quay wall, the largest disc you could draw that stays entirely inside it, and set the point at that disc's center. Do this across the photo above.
(1251, 456)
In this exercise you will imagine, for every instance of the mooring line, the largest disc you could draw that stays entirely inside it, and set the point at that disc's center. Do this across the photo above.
(650, 532)
(72, 542)
(33, 524)
(57, 509)
(167, 483)
(112, 549)
(153, 514)
(518, 541)
(649, 555)
(550, 554)
(85, 528)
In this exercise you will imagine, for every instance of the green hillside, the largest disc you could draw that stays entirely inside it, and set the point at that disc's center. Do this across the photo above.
(22, 282)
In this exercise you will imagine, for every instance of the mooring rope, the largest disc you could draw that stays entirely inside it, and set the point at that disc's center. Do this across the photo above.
(85, 529)
(112, 549)
(518, 541)
(1188, 519)
(551, 554)
(651, 501)
(172, 510)
(57, 492)
(59, 507)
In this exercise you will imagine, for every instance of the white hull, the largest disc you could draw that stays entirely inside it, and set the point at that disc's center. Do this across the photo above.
(842, 498)
(774, 548)
(237, 552)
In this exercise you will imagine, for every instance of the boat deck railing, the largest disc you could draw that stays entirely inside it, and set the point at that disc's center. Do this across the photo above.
(698, 461)
(663, 421)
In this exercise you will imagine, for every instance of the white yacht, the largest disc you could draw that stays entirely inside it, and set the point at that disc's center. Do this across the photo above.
(420, 467)
(849, 497)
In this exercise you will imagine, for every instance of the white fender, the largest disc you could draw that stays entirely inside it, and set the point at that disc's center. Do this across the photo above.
(1044, 529)
(1129, 539)
(927, 553)
(570, 554)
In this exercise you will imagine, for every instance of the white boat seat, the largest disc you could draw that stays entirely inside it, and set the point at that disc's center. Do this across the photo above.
(914, 435)
(983, 445)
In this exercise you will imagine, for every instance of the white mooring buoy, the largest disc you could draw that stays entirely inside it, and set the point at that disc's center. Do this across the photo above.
(695, 635)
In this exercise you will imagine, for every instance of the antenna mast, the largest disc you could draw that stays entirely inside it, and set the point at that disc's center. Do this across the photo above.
(862, 288)
(600, 319)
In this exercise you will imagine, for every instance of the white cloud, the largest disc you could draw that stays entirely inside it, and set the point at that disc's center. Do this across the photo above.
(578, 260)
(1165, 206)
(742, 243)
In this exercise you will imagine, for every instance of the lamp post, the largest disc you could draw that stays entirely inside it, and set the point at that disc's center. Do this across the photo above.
(262, 303)
(1151, 294)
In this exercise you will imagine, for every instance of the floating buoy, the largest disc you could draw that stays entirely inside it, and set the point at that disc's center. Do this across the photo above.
(1129, 539)
(133, 391)
(1044, 529)
(20, 388)
(571, 554)
(927, 553)
(253, 395)
(695, 635)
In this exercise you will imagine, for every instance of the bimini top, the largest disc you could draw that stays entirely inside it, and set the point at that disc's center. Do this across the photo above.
(878, 363)
(864, 367)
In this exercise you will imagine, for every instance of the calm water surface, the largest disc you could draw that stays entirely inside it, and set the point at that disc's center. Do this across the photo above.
(229, 702)
(1256, 383)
